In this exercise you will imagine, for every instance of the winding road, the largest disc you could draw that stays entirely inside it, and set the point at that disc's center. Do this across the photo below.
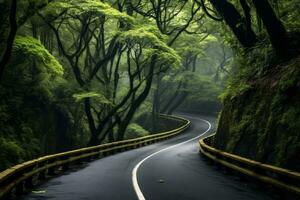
(168, 170)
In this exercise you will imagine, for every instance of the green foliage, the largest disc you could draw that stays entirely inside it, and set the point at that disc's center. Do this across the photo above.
(291, 117)
(34, 51)
(41, 104)
(153, 43)
(135, 130)
(234, 89)
(260, 119)
(289, 13)
(203, 94)
(84, 8)
(35, 66)
(249, 67)
(29, 94)
(100, 98)
(202, 88)
(188, 45)
(143, 35)
(10, 153)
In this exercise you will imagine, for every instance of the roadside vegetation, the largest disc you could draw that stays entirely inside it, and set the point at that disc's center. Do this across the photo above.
(84, 72)
(77, 73)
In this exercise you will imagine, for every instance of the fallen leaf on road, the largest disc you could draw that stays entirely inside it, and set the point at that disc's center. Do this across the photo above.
(39, 191)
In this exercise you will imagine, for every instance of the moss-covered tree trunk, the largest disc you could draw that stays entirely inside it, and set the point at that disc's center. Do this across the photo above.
(235, 21)
(274, 27)
(11, 37)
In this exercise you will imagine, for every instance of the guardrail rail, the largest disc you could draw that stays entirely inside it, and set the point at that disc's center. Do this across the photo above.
(285, 179)
(21, 178)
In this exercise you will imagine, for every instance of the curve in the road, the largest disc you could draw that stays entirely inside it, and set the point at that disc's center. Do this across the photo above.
(176, 162)
(135, 183)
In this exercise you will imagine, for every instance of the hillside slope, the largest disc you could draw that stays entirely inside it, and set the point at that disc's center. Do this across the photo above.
(261, 116)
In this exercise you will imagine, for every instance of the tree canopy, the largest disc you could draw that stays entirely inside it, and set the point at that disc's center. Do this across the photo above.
(107, 69)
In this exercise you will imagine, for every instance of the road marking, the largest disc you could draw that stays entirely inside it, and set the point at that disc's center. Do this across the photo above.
(135, 183)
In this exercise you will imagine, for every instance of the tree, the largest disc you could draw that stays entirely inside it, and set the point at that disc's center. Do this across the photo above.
(184, 73)
(274, 27)
(240, 27)
(100, 48)
(14, 22)
(11, 37)
(172, 19)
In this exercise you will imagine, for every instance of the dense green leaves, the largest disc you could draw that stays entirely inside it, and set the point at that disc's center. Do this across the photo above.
(153, 43)
(99, 98)
(34, 52)
(90, 66)
(36, 66)
(135, 130)
(84, 72)
(84, 8)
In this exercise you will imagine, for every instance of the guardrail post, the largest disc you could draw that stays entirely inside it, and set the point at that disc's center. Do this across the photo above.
(96, 156)
(104, 154)
(24, 176)
(29, 183)
(20, 188)
(65, 166)
(89, 158)
(118, 150)
(51, 171)
(100, 154)
(42, 175)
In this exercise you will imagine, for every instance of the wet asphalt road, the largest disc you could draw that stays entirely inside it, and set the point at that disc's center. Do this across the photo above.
(176, 174)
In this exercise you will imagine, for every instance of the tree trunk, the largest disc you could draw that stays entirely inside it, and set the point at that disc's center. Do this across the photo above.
(247, 14)
(171, 100)
(156, 104)
(94, 140)
(234, 20)
(274, 27)
(177, 103)
(138, 101)
(111, 137)
(11, 37)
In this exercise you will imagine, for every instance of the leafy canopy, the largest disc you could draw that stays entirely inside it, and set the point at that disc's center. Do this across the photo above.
(35, 67)
(31, 49)
(153, 42)
(100, 98)
(84, 7)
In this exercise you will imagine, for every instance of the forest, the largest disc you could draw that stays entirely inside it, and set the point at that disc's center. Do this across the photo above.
(78, 73)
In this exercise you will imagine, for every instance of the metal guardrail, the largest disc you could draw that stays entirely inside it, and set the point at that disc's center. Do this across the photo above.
(278, 177)
(21, 177)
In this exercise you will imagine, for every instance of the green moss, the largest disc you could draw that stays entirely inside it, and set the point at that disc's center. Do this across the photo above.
(34, 69)
(291, 119)
(32, 50)
(28, 103)
(235, 89)
(135, 130)
(100, 98)
(237, 132)
(262, 116)
(10, 153)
